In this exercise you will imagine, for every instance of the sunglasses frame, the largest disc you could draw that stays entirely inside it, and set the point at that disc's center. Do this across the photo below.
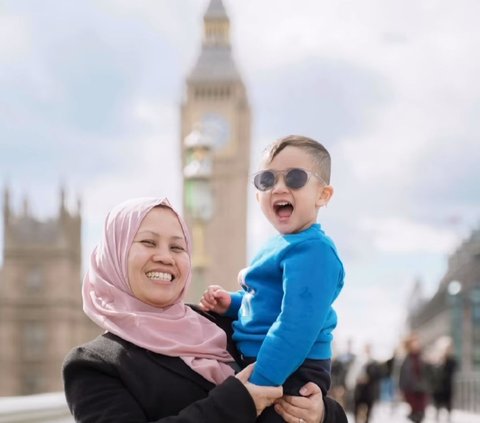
(284, 173)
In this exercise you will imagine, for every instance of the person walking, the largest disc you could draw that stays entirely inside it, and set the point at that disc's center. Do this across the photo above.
(414, 379)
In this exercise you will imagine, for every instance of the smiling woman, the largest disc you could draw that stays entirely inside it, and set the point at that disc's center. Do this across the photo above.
(161, 360)
(158, 261)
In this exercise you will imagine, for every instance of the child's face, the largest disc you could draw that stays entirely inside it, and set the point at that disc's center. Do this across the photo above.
(293, 210)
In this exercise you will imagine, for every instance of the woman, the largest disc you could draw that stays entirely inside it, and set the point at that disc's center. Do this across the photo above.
(414, 379)
(160, 360)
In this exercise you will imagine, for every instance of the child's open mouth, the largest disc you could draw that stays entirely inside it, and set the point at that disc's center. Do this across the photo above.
(283, 209)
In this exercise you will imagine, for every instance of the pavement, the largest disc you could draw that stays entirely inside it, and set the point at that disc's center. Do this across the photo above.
(397, 413)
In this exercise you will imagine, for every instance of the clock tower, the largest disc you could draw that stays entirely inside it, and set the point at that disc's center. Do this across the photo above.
(215, 145)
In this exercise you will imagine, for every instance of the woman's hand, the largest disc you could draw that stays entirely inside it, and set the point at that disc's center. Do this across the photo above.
(263, 396)
(309, 408)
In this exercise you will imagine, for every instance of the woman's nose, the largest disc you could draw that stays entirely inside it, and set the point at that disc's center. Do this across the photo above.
(163, 256)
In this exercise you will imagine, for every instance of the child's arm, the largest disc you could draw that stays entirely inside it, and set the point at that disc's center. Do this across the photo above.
(216, 299)
(312, 279)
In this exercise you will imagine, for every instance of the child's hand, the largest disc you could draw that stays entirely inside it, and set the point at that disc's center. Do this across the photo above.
(216, 299)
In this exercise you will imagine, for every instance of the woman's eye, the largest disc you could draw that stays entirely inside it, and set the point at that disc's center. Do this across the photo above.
(178, 248)
(148, 242)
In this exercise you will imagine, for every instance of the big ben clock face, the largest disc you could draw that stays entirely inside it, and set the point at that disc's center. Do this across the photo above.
(217, 128)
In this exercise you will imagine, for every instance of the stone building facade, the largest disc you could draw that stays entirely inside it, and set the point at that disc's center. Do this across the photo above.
(41, 315)
(215, 148)
(454, 310)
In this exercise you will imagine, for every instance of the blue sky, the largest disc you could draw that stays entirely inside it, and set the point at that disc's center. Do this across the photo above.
(90, 94)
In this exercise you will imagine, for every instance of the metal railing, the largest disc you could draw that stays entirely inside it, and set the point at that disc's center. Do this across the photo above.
(467, 391)
(41, 408)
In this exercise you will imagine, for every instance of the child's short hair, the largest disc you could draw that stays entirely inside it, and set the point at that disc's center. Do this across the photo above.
(317, 151)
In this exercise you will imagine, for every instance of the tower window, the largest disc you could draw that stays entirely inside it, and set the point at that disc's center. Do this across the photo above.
(34, 279)
(216, 93)
(32, 381)
(34, 339)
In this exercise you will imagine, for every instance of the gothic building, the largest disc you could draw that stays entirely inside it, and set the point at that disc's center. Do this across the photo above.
(454, 310)
(41, 315)
(215, 146)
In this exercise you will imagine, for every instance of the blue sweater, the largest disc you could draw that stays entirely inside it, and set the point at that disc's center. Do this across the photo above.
(284, 312)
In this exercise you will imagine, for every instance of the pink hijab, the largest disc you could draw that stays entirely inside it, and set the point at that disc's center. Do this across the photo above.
(176, 330)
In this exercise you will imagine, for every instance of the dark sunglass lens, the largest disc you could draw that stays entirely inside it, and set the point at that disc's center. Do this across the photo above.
(296, 178)
(263, 181)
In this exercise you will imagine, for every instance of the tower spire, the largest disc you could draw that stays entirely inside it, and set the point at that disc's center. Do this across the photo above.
(215, 62)
(26, 206)
(216, 25)
(62, 200)
(216, 9)
(79, 204)
(6, 205)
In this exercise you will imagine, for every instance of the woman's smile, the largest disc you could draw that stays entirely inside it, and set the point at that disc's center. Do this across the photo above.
(158, 261)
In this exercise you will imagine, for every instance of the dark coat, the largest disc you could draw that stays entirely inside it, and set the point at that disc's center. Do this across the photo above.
(442, 383)
(415, 375)
(112, 380)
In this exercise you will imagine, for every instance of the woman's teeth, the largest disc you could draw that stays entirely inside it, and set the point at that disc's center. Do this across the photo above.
(159, 276)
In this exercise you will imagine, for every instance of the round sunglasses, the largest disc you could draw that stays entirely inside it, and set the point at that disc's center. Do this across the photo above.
(294, 178)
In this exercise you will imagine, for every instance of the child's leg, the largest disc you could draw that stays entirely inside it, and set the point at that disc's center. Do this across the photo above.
(316, 371)
(269, 415)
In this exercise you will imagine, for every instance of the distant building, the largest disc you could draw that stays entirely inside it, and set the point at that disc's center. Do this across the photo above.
(454, 310)
(215, 147)
(41, 315)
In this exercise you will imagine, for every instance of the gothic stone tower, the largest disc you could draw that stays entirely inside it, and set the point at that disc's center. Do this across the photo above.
(216, 106)
(41, 316)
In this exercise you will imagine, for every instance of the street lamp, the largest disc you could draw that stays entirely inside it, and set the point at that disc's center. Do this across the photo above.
(198, 197)
(454, 289)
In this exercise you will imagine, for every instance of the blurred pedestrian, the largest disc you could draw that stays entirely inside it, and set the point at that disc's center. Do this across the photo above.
(387, 383)
(442, 387)
(364, 378)
(414, 379)
(340, 368)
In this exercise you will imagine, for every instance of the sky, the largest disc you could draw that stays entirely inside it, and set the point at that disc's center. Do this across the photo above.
(90, 94)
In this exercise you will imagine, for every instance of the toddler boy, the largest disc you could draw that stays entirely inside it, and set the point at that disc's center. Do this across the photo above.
(284, 315)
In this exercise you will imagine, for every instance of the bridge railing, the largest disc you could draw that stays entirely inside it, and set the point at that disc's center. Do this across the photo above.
(467, 392)
(41, 408)
(52, 408)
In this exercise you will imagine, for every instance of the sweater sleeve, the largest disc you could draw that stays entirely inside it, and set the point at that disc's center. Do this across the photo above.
(95, 394)
(312, 279)
(236, 297)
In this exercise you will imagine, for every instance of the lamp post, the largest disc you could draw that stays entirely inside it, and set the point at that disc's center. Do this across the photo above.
(198, 200)
(462, 302)
(454, 290)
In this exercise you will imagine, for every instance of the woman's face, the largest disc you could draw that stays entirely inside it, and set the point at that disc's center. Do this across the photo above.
(158, 261)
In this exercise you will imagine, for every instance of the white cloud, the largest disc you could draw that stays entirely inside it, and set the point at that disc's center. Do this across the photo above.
(397, 234)
(176, 22)
(371, 310)
(15, 38)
